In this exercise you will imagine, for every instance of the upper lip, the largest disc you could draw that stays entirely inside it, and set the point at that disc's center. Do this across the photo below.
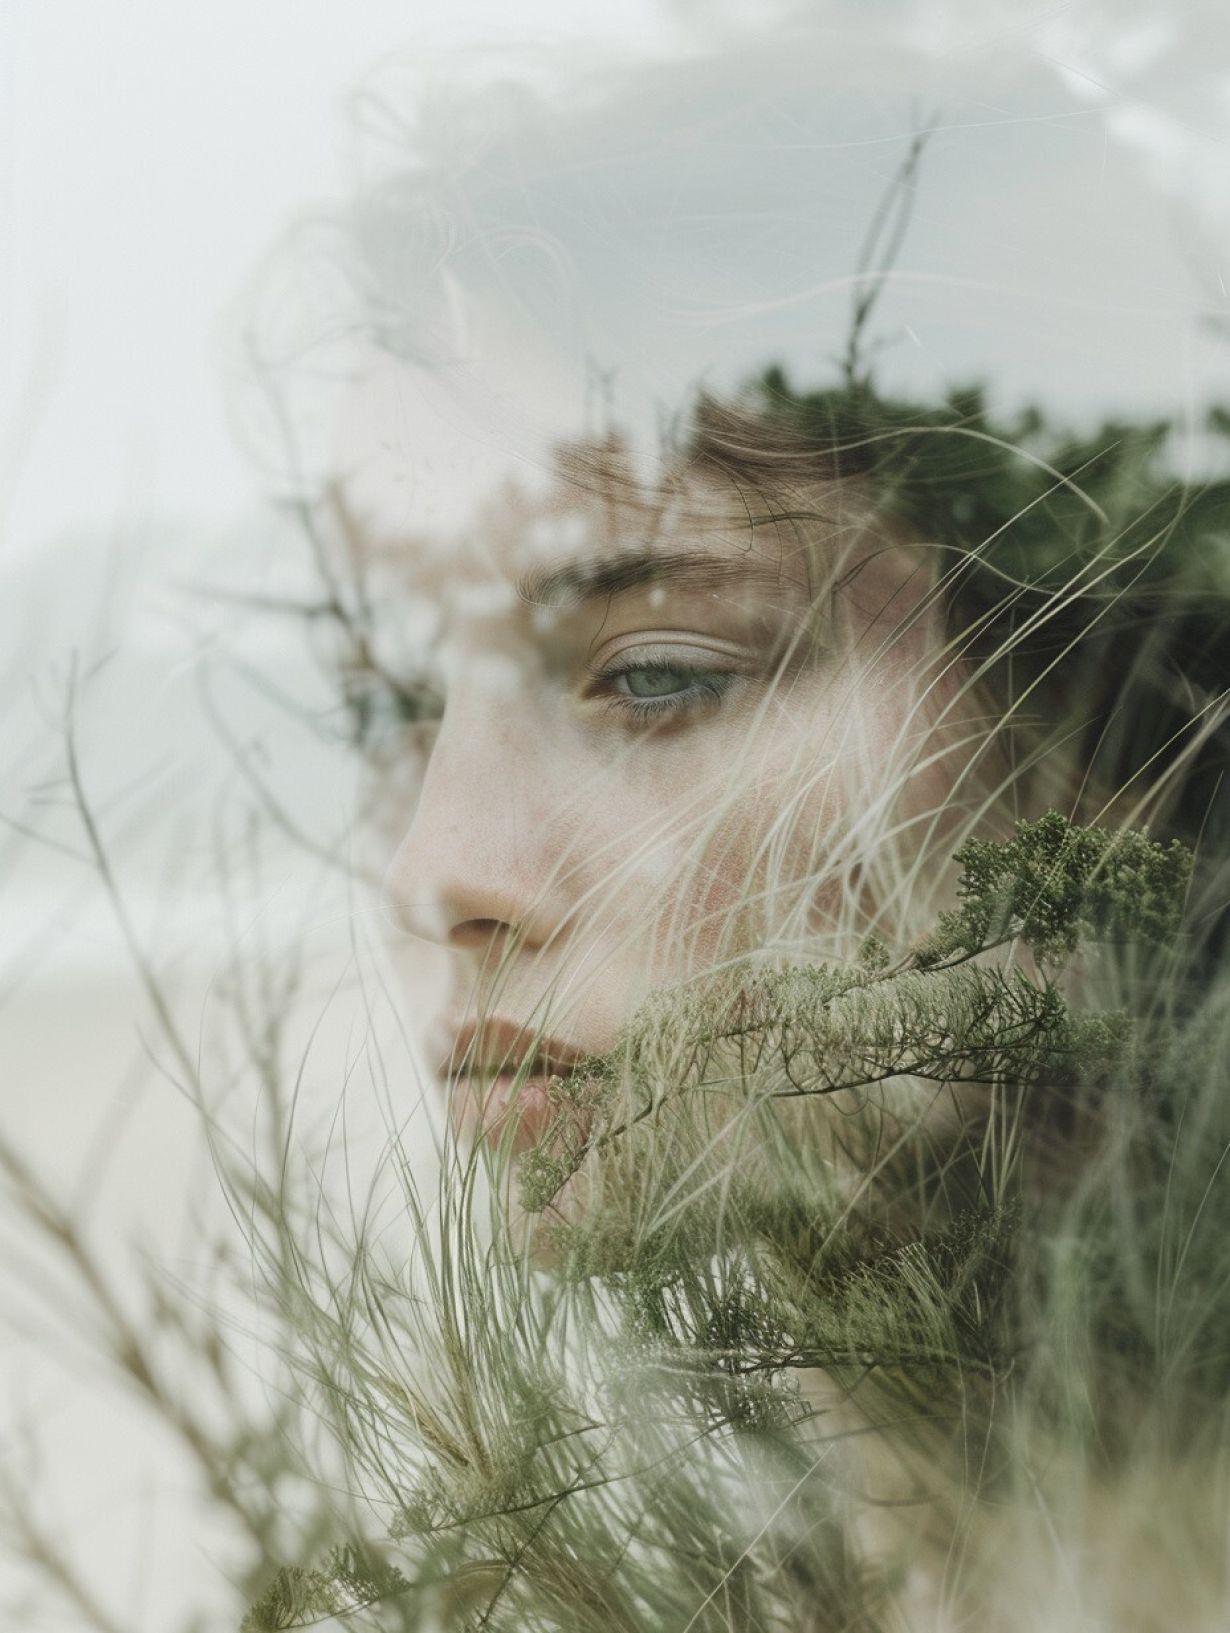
(497, 1045)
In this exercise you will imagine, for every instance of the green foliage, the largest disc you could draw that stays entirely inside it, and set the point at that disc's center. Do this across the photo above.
(1035, 499)
(1122, 1286)
(345, 1582)
(1054, 885)
(824, 1030)
(1082, 577)
(854, 1173)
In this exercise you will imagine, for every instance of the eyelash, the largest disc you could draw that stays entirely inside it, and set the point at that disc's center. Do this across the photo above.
(708, 686)
(378, 706)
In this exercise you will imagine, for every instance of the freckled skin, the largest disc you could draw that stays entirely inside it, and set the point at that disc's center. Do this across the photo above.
(574, 830)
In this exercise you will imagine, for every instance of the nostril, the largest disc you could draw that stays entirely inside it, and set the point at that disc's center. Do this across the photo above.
(478, 932)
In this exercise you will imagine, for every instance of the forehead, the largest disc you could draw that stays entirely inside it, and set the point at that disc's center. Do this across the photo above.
(450, 487)
(597, 526)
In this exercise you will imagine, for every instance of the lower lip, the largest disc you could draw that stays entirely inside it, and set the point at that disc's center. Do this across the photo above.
(501, 1107)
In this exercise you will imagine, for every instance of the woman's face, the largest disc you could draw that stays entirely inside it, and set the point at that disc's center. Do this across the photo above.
(639, 734)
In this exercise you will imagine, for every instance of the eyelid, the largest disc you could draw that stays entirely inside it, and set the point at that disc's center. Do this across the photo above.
(700, 663)
(706, 676)
(706, 689)
(690, 648)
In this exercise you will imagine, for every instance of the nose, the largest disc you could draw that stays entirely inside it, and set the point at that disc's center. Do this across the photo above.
(479, 865)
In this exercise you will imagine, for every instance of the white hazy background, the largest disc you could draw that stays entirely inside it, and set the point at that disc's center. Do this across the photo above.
(148, 154)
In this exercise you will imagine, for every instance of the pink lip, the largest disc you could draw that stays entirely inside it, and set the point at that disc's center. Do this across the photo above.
(486, 1073)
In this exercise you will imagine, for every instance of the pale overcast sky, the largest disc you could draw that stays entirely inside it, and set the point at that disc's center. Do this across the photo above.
(148, 152)
(1073, 222)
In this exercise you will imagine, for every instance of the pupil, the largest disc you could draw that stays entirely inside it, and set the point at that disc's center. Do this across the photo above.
(655, 682)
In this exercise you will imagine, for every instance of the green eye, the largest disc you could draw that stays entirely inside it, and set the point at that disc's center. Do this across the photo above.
(657, 688)
(657, 682)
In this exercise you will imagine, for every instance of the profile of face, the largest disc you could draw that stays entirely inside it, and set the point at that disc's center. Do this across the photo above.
(621, 734)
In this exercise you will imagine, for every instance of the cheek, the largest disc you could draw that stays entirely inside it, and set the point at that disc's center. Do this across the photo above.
(773, 855)
(675, 847)
(769, 873)
(735, 872)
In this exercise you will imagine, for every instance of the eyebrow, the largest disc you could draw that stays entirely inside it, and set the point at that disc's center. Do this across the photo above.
(588, 577)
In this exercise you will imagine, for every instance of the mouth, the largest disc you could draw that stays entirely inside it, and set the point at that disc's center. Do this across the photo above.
(498, 1073)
